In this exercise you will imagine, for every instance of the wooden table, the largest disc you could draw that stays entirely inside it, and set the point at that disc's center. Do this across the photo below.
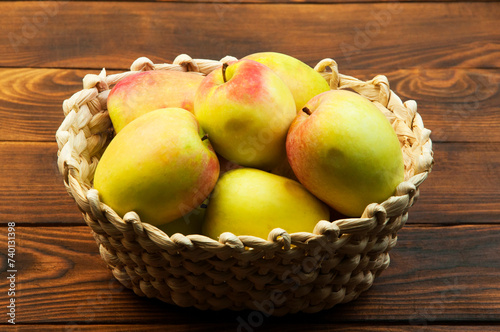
(445, 270)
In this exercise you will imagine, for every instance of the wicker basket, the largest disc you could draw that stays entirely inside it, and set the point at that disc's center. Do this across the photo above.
(299, 272)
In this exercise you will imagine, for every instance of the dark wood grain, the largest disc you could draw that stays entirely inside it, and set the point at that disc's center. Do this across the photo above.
(463, 187)
(373, 35)
(458, 105)
(32, 189)
(310, 326)
(464, 174)
(437, 274)
(31, 101)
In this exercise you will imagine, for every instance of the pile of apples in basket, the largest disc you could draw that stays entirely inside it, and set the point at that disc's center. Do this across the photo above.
(257, 144)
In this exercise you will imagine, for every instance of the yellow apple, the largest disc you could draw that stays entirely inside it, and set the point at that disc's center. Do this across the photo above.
(146, 91)
(246, 109)
(160, 165)
(345, 152)
(249, 201)
(302, 80)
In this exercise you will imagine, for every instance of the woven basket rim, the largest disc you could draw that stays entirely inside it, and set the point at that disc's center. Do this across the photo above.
(84, 134)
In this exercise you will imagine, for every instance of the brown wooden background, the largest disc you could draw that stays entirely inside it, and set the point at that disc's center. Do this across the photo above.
(445, 271)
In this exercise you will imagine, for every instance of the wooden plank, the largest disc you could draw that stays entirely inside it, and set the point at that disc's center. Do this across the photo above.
(458, 105)
(437, 274)
(372, 35)
(311, 326)
(463, 187)
(465, 174)
(32, 188)
(31, 101)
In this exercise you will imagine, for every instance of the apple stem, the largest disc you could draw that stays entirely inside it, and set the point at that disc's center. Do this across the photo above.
(204, 137)
(224, 66)
(307, 111)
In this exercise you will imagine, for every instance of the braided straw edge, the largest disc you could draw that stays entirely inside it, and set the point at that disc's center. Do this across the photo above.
(85, 133)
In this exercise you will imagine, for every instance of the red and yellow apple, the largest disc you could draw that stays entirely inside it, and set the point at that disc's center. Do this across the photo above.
(246, 109)
(160, 165)
(302, 80)
(146, 91)
(345, 152)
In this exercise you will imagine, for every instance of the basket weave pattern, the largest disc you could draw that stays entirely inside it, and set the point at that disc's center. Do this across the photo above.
(307, 272)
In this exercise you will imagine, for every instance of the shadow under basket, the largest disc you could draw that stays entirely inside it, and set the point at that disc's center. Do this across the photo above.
(299, 272)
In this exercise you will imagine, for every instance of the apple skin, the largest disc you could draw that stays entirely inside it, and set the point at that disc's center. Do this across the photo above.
(249, 201)
(146, 91)
(158, 166)
(345, 152)
(302, 80)
(246, 110)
